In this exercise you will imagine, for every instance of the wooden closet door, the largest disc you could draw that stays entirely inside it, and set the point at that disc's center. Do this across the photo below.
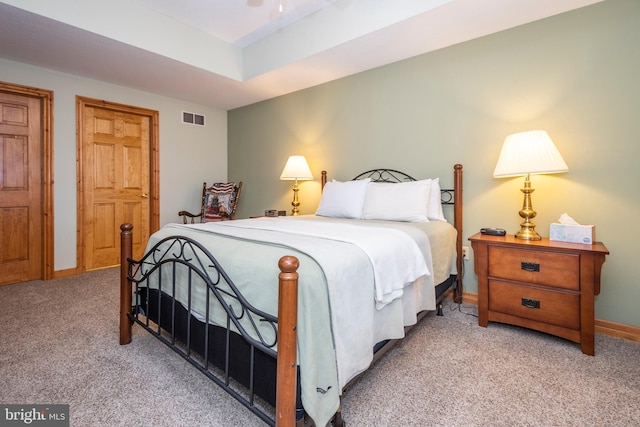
(115, 174)
(21, 211)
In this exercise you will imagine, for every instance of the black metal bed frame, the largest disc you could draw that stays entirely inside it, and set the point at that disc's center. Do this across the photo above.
(221, 356)
(225, 355)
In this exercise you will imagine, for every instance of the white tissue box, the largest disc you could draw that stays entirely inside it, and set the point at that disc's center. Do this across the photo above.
(572, 233)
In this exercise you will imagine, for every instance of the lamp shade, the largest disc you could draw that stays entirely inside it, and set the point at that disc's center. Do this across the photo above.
(530, 152)
(296, 168)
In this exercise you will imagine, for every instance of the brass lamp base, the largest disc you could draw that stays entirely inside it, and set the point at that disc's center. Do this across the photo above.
(527, 228)
(295, 203)
(528, 233)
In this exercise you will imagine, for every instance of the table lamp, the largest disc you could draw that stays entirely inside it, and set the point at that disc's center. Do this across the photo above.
(525, 153)
(296, 169)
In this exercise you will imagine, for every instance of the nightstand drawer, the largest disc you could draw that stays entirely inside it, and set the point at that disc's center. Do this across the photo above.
(553, 307)
(535, 266)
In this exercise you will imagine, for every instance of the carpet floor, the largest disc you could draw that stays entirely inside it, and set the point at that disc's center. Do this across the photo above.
(59, 344)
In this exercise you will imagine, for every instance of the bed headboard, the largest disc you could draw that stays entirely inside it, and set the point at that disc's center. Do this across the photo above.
(385, 175)
(448, 196)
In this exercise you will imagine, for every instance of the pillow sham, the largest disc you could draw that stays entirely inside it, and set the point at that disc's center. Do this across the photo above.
(343, 199)
(404, 201)
(435, 201)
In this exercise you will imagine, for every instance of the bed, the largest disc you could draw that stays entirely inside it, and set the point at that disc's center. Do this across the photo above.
(283, 313)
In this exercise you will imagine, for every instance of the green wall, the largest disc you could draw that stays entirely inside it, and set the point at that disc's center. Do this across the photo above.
(576, 75)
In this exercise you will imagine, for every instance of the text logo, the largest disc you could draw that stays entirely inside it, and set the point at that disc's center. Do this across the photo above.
(34, 415)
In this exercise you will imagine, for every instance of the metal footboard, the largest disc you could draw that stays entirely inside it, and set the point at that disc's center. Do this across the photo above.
(225, 337)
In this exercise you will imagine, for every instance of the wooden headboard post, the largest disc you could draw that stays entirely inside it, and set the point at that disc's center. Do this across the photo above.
(323, 179)
(457, 224)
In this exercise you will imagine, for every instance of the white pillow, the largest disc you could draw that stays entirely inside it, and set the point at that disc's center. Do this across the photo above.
(405, 201)
(435, 201)
(343, 199)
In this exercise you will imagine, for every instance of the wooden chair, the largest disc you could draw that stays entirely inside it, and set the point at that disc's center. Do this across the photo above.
(219, 203)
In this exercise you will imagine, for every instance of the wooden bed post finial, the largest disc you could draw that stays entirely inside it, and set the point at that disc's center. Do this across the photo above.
(287, 345)
(126, 250)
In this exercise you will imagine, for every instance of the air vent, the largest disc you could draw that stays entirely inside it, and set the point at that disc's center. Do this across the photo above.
(192, 118)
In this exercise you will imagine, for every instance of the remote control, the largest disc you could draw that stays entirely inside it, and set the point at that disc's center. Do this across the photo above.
(493, 231)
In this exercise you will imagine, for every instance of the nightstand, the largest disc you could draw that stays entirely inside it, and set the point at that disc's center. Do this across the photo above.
(544, 285)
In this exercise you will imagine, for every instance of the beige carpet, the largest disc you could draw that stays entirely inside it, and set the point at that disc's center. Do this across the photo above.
(59, 344)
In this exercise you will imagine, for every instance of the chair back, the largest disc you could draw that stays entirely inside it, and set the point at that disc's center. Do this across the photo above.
(220, 201)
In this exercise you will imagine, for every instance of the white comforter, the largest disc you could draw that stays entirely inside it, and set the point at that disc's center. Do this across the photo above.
(396, 258)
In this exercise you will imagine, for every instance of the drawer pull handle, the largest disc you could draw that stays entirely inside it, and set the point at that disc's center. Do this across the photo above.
(530, 266)
(530, 303)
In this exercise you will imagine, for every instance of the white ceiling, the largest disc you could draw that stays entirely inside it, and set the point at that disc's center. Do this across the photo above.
(239, 22)
(231, 53)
